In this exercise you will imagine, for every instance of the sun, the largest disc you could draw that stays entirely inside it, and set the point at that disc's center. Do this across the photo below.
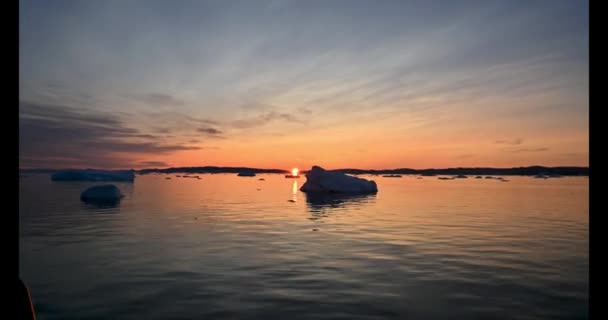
(294, 172)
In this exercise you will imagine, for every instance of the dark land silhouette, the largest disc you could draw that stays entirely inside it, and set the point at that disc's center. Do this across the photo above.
(515, 171)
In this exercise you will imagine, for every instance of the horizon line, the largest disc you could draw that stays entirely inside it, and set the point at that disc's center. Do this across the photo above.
(259, 168)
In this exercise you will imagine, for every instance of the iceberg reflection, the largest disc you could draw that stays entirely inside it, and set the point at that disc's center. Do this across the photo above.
(317, 202)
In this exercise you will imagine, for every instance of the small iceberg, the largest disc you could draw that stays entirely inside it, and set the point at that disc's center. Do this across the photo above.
(478, 177)
(446, 178)
(460, 176)
(108, 193)
(392, 176)
(94, 175)
(246, 174)
(319, 180)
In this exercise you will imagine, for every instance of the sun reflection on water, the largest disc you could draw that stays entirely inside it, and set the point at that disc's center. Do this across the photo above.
(294, 190)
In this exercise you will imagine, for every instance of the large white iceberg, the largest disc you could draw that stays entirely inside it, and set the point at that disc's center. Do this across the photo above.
(319, 180)
(103, 193)
(94, 175)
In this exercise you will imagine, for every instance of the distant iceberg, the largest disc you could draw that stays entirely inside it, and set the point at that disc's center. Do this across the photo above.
(94, 175)
(319, 180)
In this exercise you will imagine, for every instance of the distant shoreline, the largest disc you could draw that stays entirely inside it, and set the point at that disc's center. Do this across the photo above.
(515, 171)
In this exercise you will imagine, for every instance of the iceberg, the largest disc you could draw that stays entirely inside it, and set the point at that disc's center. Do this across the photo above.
(319, 180)
(94, 175)
(102, 193)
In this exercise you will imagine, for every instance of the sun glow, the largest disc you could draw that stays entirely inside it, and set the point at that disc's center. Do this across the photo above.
(294, 172)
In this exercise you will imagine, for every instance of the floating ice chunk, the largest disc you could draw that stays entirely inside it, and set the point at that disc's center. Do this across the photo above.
(319, 180)
(103, 193)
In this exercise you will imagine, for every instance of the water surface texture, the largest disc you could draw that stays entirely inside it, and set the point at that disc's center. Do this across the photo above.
(228, 247)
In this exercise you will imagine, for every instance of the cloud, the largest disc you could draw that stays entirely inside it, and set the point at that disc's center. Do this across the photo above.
(154, 164)
(209, 131)
(202, 121)
(135, 147)
(159, 99)
(515, 141)
(172, 121)
(264, 119)
(465, 156)
(162, 130)
(531, 150)
(304, 110)
(60, 135)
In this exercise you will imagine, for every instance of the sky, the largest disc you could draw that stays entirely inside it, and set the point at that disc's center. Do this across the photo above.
(281, 84)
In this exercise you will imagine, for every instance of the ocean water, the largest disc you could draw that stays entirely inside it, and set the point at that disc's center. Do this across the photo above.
(228, 247)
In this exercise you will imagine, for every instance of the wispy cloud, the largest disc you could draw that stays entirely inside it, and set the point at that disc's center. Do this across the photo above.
(174, 121)
(154, 164)
(465, 156)
(304, 110)
(159, 99)
(515, 141)
(162, 130)
(209, 131)
(202, 121)
(542, 149)
(82, 138)
(264, 119)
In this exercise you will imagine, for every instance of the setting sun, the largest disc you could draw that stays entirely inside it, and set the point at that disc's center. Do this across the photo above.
(294, 171)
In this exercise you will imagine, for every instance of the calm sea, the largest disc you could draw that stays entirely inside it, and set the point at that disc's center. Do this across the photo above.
(228, 247)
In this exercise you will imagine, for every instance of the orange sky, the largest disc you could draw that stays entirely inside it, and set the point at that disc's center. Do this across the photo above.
(276, 86)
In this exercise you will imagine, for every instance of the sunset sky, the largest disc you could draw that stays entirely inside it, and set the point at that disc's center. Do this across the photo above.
(281, 84)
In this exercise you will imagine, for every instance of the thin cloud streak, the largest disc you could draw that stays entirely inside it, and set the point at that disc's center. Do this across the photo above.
(154, 164)
(264, 119)
(531, 150)
(515, 141)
